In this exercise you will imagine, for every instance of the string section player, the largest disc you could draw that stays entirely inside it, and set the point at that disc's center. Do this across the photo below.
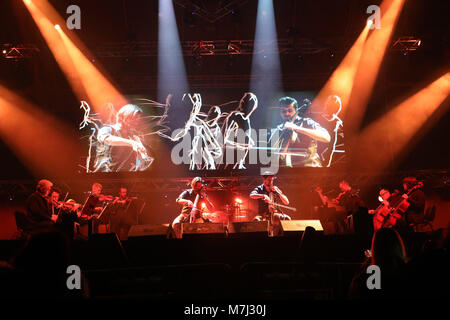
(191, 200)
(39, 213)
(271, 200)
(65, 213)
(94, 207)
(123, 214)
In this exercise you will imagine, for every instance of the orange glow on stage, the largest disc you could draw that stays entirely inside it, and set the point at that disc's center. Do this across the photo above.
(86, 80)
(341, 81)
(44, 144)
(369, 65)
(398, 131)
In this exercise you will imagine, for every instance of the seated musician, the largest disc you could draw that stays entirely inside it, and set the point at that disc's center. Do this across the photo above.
(382, 218)
(348, 198)
(123, 215)
(415, 200)
(67, 213)
(345, 205)
(38, 207)
(188, 200)
(267, 194)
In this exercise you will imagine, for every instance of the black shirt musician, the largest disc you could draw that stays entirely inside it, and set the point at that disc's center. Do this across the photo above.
(416, 199)
(66, 213)
(38, 207)
(267, 194)
(92, 207)
(348, 198)
(123, 214)
(188, 200)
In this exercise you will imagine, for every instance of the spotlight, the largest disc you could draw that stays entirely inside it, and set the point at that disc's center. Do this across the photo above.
(57, 27)
(203, 205)
(369, 22)
(238, 200)
(4, 51)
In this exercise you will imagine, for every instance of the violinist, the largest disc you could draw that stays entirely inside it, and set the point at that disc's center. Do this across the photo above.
(94, 206)
(38, 207)
(66, 213)
(191, 200)
(266, 194)
(298, 136)
(123, 214)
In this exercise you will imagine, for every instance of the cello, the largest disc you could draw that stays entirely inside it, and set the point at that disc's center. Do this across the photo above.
(396, 213)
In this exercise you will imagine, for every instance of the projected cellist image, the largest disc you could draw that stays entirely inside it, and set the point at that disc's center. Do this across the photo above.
(298, 135)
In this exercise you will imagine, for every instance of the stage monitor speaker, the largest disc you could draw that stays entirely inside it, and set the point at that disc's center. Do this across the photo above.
(248, 229)
(149, 230)
(203, 230)
(295, 227)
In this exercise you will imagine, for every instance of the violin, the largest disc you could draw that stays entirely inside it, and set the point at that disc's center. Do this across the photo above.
(103, 197)
(124, 201)
(62, 204)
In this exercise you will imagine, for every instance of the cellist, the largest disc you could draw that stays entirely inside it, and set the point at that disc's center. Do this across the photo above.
(191, 200)
(297, 135)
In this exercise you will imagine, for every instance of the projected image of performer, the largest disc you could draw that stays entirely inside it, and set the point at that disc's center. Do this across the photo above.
(206, 143)
(122, 214)
(213, 140)
(298, 136)
(119, 145)
(191, 200)
(237, 126)
(268, 195)
(335, 150)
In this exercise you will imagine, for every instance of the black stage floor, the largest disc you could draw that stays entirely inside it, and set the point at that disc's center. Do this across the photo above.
(207, 267)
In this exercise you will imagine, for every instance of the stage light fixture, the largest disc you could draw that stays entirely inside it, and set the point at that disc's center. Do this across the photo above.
(57, 27)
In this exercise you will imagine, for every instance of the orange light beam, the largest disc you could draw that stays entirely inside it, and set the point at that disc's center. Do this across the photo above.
(44, 144)
(99, 90)
(86, 80)
(340, 82)
(369, 65)
(401, 124)
(57, 48)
